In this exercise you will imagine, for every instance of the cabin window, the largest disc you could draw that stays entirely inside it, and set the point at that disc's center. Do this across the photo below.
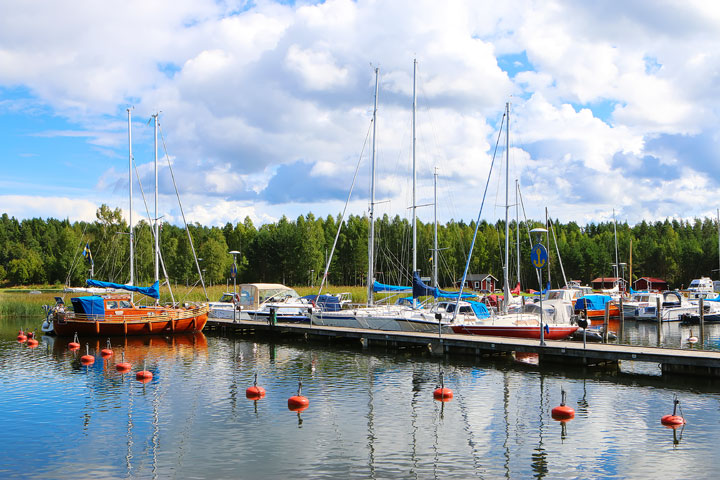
(124, 304)
(111, 305)
(226, 298)
(466, 310)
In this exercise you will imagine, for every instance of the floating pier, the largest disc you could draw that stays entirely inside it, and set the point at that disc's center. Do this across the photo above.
(672, 360)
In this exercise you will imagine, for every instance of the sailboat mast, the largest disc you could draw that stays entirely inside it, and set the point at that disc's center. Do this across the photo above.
(414, 177)
(547, 242)
(617, 264)
(157, 230)
(506, 288)
(130, 216)
(435, 254)
(517, 228)
(371, 238)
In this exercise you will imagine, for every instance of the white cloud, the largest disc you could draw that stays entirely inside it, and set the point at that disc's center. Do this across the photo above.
(245, 89)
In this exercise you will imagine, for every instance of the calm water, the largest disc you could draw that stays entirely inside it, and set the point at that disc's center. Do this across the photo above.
(371, 415)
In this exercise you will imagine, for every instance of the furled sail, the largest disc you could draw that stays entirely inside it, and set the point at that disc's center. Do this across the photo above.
(153, 291)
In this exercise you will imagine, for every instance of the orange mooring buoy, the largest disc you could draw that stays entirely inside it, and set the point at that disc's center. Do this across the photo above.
(442, 394)
(87, 359)
(562, 412)
(144, 375)
(21, 336)
(674, 420)
(32, 342)
(123, 366)
(75, 344)
(298, 403)
(106, 352)
(255, 392)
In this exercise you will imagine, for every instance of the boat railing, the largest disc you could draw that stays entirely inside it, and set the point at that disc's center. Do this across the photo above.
(174, 314)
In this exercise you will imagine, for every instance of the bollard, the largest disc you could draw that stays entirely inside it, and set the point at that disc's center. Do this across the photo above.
(621, 333)
(702, 323)
(658, 314)
(606, 322)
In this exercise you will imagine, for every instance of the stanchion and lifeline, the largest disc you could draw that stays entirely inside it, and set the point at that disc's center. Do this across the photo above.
(298, 403)
(562, 412)
(442, 394)
(674, 420)
(255, 392)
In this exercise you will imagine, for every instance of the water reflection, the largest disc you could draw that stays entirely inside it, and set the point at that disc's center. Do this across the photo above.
(372, 414)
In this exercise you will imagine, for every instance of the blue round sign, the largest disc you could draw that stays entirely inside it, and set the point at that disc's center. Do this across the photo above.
(539, 255)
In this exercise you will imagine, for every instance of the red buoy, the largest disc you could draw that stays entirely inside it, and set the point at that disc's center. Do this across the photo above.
(674, 420)
(75, 344)
(106, 352)
(32, 343)
(442, 394)
(87, 359)
(562, 412)
(123, 366)
(21, 336)
(255, 392)
(144, 375)
(298, 403)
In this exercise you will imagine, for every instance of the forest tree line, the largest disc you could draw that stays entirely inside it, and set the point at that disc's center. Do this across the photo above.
(294, 252)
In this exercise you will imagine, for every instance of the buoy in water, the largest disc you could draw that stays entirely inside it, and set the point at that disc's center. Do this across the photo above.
(562, 412)
(255, 392)
(87, 359)
(442, 394)
(21, 336)
(75, 344)
(144, 375)
(32, 343)
(123, 366)
(298, 403)
(692, 339)
(106, 352)
(674, 420)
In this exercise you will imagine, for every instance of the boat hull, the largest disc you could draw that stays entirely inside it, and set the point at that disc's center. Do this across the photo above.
(185, 322)
(555, 333)
(384, 323)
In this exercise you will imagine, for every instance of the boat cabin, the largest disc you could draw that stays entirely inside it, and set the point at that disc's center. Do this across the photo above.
(253, 295)
(701, 285)
(99, 306)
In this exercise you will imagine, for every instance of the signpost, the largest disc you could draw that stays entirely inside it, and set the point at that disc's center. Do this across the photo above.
(539, 258)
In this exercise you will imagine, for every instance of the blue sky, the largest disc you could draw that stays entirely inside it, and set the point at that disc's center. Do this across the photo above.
(266, 106)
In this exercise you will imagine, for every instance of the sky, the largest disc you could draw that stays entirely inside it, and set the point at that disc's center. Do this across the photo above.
(265, 108)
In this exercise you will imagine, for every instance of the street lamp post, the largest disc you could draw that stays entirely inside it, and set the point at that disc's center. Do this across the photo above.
(539, 258)
(233, 274)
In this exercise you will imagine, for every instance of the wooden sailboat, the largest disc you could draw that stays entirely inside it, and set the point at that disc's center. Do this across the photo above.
(114, 314)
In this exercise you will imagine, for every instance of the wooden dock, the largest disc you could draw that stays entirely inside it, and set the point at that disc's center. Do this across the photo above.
(671, 360)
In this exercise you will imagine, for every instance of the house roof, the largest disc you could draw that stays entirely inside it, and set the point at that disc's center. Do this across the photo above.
(651, 280)
(479, 277)
(606, 279)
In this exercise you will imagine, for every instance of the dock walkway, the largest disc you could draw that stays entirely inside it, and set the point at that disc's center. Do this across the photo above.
(672, 360)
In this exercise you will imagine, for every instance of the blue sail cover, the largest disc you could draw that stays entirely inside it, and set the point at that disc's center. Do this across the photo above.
(381, 287)
(593, 302)
(422, 290)
(90, 305)
(153, 291)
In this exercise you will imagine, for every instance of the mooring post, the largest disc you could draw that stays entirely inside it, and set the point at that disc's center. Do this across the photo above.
(622, 322)
(606, 322)
(658, 314)
(702, 323)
